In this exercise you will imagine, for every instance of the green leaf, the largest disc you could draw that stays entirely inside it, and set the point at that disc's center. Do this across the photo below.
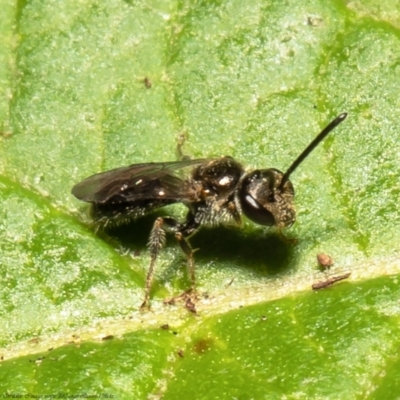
(255, 80)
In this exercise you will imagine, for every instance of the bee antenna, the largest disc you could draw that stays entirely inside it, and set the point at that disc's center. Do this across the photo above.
(332, 125)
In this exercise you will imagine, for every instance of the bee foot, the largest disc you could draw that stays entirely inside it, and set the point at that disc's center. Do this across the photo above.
(189, 298)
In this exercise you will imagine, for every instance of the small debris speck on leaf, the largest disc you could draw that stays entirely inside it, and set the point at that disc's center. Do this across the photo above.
(329, 281)
(324, 260)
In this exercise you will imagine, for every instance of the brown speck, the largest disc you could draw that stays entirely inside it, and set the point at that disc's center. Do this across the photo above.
(324, 261)
(202, 345)
(165, 327)
(108, 337)
(147, 83)
(180, 353)
(35, 340)
(330, 281)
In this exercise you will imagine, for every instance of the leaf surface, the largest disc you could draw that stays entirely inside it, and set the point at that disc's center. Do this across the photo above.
(253, 80)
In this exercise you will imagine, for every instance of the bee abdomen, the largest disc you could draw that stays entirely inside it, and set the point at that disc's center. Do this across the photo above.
(112, 214)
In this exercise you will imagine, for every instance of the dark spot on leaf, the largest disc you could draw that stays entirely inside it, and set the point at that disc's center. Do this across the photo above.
(202, 345)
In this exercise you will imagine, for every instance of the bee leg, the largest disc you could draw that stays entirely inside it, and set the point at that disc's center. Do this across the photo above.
(185, 246)
(182, 232)
(190, 296)
(156, 243)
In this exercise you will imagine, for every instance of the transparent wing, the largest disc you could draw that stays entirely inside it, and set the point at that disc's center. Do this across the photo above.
(138, 181)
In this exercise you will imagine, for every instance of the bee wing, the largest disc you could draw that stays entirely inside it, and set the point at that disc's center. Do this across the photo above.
(137, 181)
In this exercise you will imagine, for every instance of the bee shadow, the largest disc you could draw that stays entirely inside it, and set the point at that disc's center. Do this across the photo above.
(266, 253)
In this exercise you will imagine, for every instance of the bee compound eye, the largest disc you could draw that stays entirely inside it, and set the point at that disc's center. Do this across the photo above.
(256, 212)
(256, 187)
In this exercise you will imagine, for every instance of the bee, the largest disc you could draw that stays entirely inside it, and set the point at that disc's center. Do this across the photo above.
(214, 190)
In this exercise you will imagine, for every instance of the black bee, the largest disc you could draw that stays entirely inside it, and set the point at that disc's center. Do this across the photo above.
(214, 190)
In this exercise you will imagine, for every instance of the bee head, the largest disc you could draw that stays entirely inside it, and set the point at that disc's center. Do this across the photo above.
(265, 201)
(266, 196)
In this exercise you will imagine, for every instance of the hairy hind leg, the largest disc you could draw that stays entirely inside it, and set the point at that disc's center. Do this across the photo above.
(189, 297)
(157, 242)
